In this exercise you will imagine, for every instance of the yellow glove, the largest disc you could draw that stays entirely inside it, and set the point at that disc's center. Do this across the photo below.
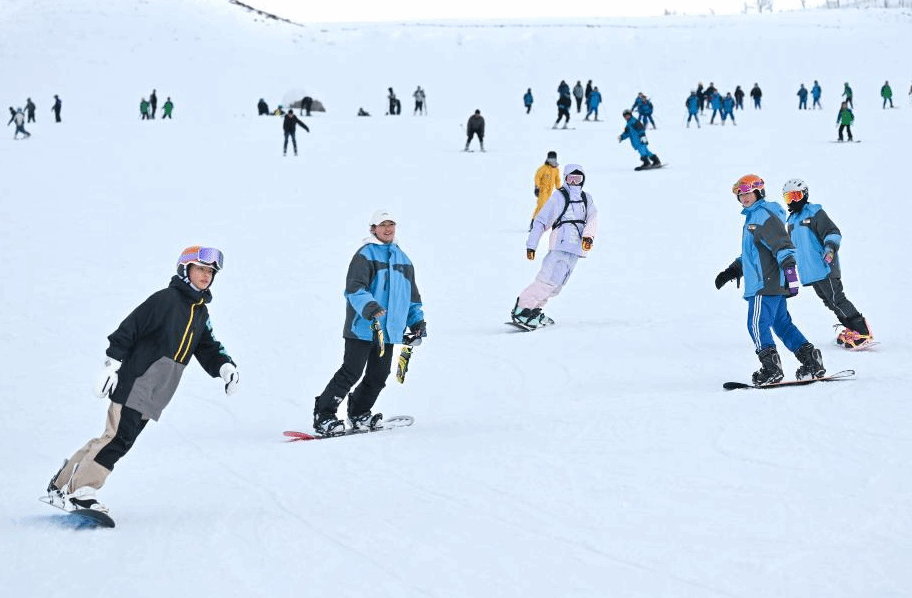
(530, 254)
(587, 243)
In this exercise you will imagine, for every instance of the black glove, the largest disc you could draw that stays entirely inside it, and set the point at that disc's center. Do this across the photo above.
(729, 274)
(536, 192)
(419, 328)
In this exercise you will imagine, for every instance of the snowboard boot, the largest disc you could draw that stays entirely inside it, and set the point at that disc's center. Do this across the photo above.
(531, 318)
(655, 160)
(327, 424)
(811, 362)
(646, 164)
(365, 421)
(84, 498)
(481, 143)
(55, 494)
(770, 370)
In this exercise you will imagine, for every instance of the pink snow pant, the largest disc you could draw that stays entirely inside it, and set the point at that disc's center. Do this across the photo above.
(555, 271)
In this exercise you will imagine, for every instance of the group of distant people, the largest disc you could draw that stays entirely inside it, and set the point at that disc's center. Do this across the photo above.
(148, 108)
(395, 105)
(20, 116)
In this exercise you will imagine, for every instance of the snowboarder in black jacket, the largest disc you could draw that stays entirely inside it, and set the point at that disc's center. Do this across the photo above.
(288, 125)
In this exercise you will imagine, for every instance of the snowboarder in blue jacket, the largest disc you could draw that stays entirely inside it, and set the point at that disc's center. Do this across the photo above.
(815, 93)
(636, 132)
(527, 100)
(817, 240)
(767, 263)
(802, 97)
(693, 104)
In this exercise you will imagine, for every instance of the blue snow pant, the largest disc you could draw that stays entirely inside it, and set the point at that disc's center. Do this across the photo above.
(693, 115)
(767, 314)
(756, 103)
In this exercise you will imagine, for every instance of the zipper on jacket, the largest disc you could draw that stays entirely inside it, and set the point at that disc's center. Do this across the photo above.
(177, 356)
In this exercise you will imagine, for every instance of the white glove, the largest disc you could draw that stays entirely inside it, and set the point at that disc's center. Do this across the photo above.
(107, 379)
(231, 377)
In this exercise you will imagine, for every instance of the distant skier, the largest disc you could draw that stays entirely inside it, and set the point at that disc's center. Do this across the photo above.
(887, 94)
(715, 100)
(167, 109)
(12, 116)
(564, 101)
(144, 109)
(815, 93)
(739, 98)
(728, 108)
(701, 96)
(475, 126)
(693, 105)
(381, 300)
(767, 263)
(756, 94)
(847, 94)
(153, 101)
(262, 108)
(30, 110)
(306, 105)
(56, 108)
(144, 363)
(19, 119)
(395, 106)
(802, 97)
(572, 217)
(634, 130)
(527, 100)
(844, 119)
(588, 91)
(288, 127)
(419, 96)
(578, 96)
(817, 241)
(643, 106)
(547, 178)
(592, 105)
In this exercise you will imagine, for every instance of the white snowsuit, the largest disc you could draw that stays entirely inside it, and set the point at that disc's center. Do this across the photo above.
(578, 218)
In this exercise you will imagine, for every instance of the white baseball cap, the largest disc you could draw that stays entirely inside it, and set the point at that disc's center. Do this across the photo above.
(381, 216)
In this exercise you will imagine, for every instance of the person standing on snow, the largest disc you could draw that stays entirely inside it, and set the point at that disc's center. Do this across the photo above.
(767, 263)
(419, 96)
(19, 119)
(887, 94)
(395, 106)
(573, 219)
(475, 126)
(817, 240)
(693, 104)
(802, 97)
(728, 108)
(167, 109)
(847, 93)
(144, 109)
(592, 104)
(153, 101)
(739, 98)
(527, 100)
(578, 95)
(634, 130)
(382, 299)
(289, 122)
(30, 110)
(844, 119)
(56, 108)
(815, 93)
(547, 179)
(756, 94)
(145, 360)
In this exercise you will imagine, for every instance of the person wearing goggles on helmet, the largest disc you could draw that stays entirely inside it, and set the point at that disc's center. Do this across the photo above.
(767, 263)
(573, 219)
(817, 240)
(636, 132)
(145, 360)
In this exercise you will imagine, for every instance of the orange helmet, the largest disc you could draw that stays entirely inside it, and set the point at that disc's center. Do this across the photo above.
(748, 183)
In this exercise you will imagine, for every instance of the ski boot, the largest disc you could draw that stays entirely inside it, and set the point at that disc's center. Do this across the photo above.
(365, 421)
(327, 424)
(811, 362)
(770, 371)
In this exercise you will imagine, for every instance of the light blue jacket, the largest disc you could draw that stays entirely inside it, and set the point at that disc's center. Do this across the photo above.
(765, 246)
(811, 230)
(381, 276)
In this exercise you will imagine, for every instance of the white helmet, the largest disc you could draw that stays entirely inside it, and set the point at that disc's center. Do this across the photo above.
(794, 185)
(795, 194)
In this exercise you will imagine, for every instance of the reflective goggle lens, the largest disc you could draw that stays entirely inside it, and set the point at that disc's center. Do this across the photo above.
(739, 188)
(790, 196)
(574, 179)
(204, 255)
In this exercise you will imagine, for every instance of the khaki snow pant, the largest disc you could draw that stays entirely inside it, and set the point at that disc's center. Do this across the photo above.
(92, 464)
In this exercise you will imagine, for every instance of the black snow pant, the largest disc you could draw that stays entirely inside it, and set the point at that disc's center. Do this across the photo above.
(358, 354)
(562, 113)
(830, 291)
(579, 104)
(294, 142)
(848, 129)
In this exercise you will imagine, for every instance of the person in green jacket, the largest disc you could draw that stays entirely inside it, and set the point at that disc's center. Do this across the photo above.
(887, 94)
(144, 109)
(168, 107)
(845, 118)
(847, 92)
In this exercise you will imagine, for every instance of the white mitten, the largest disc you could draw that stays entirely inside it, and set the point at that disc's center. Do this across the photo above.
(231, 377)
(107, 379)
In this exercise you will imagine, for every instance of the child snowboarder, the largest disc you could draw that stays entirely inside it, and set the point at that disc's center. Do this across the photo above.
(636, 132)
(547, 179)
(381, 300)
(767, 263)
(817, 240)
(844, 119)
(146, 357)
(573, 219)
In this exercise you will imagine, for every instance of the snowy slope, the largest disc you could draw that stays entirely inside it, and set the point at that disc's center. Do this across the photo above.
(596, 458)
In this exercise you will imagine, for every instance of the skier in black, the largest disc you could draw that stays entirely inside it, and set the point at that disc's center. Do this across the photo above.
(475, 126)
(288, 125)
(306, 105)
(262, 107)
(56, 107)
(153, 99)
(30, 110)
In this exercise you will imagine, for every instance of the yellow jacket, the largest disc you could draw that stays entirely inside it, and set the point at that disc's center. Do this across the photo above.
(547, 179)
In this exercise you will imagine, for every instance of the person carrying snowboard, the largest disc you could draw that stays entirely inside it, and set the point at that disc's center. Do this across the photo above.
(145, 360)
(547, 179)
(817, 241)
(636, 132)
(288, 127)
(767, 263)
(572, 217)
(844, 119)
(381, 299)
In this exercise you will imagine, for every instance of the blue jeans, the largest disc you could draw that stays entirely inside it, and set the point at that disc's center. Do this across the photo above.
(767, 314)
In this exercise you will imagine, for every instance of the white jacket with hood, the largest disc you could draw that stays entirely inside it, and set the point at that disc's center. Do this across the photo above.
(578, 218)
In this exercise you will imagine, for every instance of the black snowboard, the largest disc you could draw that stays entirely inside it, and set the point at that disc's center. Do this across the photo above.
(90, 516)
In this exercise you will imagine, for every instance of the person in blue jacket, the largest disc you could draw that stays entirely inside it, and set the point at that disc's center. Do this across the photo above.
(693, 104)
(636, 132)
(802, 97)
(527, 100)
(817, 240)
(767, 263)
(716, 102)
(728, 108)
(644, 107)
(381, 300)
(815, 93)
(592, 104)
